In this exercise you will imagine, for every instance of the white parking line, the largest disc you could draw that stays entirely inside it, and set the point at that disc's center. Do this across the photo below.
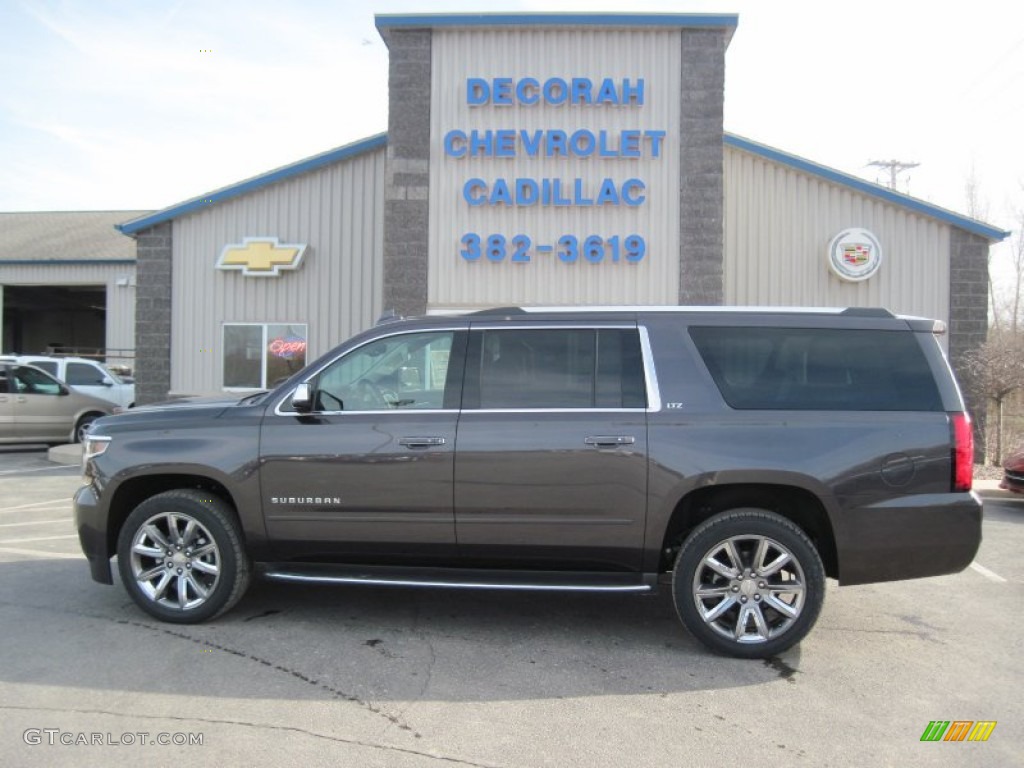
(39, 504)
(5, 542)
(35, 522)
(55, 508)
(41, 469)
(39, 553)
(987, 573)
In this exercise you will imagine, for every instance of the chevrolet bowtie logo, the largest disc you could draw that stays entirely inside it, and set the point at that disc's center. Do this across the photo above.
(261, 256)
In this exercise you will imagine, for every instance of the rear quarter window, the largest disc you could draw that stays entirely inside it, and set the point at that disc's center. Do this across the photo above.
(818, 369)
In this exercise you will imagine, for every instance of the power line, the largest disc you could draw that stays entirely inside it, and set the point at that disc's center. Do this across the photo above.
(895, 167)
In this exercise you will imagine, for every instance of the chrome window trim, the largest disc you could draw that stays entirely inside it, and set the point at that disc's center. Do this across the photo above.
(650, 374)
(650, 377)
(315, 373)
(467, 411)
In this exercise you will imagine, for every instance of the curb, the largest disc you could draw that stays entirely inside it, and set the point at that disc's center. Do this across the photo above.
(65, 454)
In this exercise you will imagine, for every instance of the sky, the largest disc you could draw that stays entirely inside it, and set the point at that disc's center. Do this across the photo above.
(140, 104)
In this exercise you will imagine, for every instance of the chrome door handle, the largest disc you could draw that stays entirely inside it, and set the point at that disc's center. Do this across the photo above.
(420, 442)
(604, 441)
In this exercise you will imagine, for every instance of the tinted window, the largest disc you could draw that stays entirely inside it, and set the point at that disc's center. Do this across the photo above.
(29, 381)
(49, 366)
(556, 368)
(83, 373)
(818, 369)
(408, 371)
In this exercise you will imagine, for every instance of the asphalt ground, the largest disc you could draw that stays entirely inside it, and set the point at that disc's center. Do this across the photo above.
(348, 676)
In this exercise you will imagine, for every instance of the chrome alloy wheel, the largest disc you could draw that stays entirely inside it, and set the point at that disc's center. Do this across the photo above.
(749, 589)
(175, 561)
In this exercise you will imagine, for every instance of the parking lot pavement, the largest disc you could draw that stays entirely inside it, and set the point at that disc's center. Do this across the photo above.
(397, 677)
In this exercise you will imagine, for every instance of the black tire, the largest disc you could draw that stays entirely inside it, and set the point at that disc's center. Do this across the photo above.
(206, 539)
(83, 424)
(735, 611)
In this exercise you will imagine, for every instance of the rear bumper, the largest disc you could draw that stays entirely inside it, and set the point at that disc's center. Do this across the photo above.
(910, 538)
(91, 523)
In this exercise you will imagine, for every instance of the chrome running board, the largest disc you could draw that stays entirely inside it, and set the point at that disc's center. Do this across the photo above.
(459, 578)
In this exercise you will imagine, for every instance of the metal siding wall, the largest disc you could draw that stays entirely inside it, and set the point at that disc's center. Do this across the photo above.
(337, 211)
(120, 321)
(780, 221)
(542, 53)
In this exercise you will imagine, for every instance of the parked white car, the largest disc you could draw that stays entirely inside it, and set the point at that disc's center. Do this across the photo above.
(83, 375)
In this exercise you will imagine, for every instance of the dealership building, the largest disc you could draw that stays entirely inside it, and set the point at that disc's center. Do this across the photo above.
(532, 159)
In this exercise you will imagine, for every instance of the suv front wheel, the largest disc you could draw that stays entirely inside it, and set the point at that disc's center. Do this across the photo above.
(748, 583)
(181, 557)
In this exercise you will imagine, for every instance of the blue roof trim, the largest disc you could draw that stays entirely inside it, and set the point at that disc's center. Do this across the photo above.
(63, 262)
(904, 201)
(256, 182)
(392, 20)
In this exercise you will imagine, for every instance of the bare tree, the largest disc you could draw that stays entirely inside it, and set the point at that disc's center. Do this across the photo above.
(995, 370)
(1017, 263)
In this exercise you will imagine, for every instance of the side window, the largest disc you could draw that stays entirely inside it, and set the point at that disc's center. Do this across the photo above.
(29, 381)
(557, 369)
(408, 371)
(50, 366)
(818, 369)
(83, 373)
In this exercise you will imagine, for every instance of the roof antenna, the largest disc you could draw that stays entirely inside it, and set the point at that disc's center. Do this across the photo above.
(388, 316)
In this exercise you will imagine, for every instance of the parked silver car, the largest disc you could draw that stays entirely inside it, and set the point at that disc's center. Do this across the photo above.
(35, 407)
(89, 377)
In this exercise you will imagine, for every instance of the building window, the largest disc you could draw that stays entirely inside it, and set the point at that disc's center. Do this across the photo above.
(262, 355)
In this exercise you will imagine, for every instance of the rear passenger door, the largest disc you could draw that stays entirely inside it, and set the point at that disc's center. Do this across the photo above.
(551, 448)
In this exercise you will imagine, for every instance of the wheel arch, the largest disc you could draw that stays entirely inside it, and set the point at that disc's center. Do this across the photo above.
(87, 413)
(798, 505)
(136, 490)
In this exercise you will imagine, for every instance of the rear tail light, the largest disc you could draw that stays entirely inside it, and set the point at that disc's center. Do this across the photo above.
(963, 452)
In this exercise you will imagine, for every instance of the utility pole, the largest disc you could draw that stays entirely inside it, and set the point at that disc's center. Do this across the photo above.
(896, 167)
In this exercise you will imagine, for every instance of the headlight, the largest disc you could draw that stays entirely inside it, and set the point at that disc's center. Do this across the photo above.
(93, 446)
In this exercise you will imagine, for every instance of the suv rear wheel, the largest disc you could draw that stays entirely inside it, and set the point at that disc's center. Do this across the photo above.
(181, 557)
(748, 583)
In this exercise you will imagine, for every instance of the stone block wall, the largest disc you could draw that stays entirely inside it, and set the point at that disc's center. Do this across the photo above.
(407, 172)
(701, 190)
(153, 314)
(968, 315)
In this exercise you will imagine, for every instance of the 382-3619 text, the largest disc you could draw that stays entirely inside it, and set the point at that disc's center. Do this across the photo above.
(570, 249)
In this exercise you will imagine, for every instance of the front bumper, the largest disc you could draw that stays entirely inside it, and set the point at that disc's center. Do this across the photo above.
(910, 537)
(1013, 481)
(91, 523)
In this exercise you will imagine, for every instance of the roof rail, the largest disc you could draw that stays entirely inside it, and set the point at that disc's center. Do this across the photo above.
(867, 312)
(499, 311)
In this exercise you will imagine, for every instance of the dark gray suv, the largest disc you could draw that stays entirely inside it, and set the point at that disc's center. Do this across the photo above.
(740, 456)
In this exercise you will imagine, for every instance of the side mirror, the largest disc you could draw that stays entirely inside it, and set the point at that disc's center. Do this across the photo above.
(302, 398)
(107, 382)
(64, 390)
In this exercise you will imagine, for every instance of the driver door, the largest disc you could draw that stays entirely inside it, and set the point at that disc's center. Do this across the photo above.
(368, 472)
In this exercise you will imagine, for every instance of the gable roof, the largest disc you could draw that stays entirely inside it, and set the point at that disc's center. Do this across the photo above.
(65, 237)
(974, 226)
(993, 234)
(256, 182)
